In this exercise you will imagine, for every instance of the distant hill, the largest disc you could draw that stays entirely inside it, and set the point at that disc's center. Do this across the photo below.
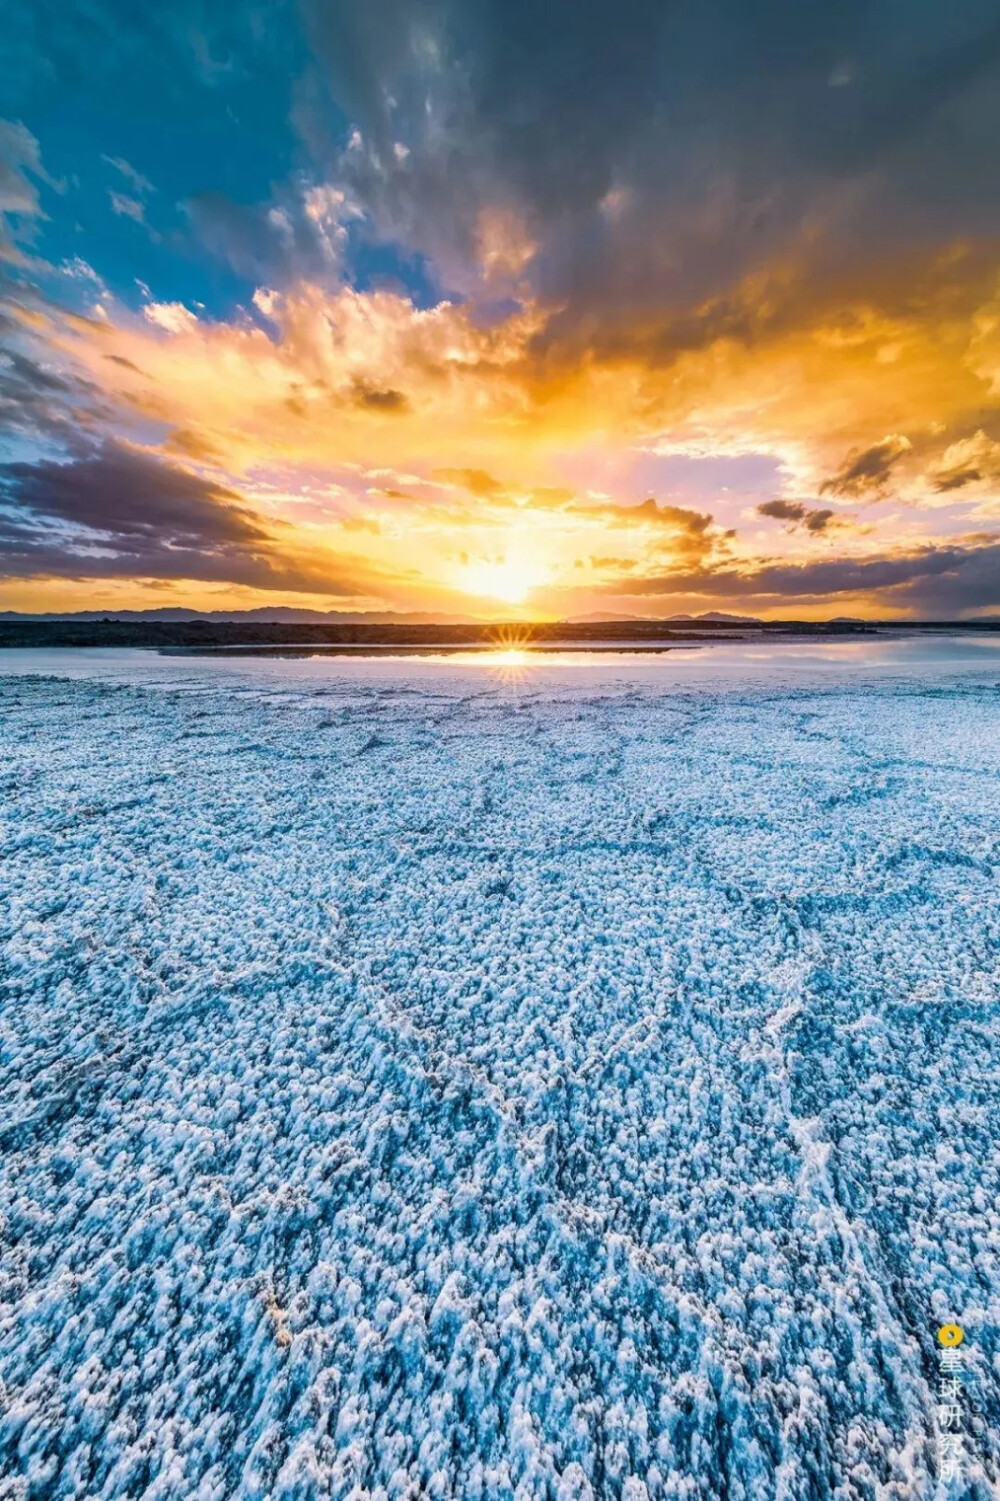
(263, 615)
(717, 617)
(292, 615)
(713, 617)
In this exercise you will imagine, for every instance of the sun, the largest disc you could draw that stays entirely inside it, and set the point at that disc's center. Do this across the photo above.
(510, 579)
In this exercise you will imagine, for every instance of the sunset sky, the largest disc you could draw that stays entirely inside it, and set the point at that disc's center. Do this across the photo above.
(501, 307)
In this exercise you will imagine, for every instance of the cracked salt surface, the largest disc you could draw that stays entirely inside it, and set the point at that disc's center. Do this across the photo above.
(415, 1084)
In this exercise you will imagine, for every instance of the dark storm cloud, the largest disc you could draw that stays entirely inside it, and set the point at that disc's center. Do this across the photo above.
(657, 149)
(118, 513)
(943, 581)
(131, 495)
(812, 519)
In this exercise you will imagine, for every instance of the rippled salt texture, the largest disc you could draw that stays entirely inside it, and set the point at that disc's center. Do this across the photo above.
(435, 1085)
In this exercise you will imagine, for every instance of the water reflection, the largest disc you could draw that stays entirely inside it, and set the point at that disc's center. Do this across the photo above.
(740, 665)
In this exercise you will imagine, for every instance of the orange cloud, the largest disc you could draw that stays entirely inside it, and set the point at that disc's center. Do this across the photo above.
(363, 419)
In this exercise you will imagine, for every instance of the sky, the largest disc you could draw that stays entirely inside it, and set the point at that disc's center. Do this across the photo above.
(501, 309)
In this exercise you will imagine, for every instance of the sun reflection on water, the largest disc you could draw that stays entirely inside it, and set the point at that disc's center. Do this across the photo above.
(509, 656)
(508, 664)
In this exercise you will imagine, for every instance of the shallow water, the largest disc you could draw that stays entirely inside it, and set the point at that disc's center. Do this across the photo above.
(736, 664)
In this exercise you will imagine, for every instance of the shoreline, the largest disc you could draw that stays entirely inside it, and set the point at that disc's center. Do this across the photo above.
(267, 639)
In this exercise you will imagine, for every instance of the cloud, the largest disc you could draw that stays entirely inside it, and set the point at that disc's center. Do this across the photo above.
(190, 445)
(565, 501)
(44, 396)
(968, 461)
(129, 208)
(21, 171)
(649, 512)
(139, 184)
(128, 494)
(36, 401)
(117, 512)
(476, 481)
(867, 472)
(687, 532)
(20, 163)
(643, 159)
(793, 511)
(318, 378)
(612, 231)
(172, 317)
(301, 234)
(359, 360)
(386, 400)
(956, 579)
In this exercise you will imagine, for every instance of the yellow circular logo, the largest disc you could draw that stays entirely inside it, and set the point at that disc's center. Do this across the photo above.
(951, 1335)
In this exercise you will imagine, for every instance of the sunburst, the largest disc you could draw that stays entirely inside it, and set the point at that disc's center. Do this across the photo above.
(510, 653)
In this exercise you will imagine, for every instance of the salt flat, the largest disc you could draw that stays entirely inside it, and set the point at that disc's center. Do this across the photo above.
(419, 1082)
